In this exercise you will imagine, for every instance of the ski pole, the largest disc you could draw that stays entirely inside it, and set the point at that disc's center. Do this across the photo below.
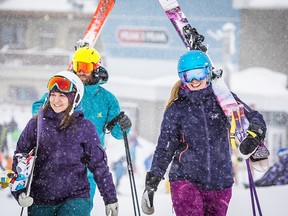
(131, 175)
(253, 191)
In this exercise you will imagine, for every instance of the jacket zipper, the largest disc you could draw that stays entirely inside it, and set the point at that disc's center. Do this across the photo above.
(208, 146)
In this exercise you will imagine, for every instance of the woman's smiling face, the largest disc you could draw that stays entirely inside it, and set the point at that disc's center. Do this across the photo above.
(58, 101)
(197, 84)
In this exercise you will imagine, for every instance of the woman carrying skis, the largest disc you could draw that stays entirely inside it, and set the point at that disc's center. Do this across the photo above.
(195, 137)
(67, 145)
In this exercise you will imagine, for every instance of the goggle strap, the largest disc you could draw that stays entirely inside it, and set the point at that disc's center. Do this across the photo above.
(74, 103)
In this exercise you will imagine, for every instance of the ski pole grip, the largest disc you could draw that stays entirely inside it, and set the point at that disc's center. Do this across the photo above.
(110, 125)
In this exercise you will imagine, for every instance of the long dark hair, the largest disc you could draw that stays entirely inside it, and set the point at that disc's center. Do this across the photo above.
(67, 118)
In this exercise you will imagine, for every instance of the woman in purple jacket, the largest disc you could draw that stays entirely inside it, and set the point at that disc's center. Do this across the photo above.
(68, 144)
(195, 138)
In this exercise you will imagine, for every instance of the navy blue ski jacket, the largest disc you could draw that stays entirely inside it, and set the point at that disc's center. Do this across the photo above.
(195, 137)
(63, 155)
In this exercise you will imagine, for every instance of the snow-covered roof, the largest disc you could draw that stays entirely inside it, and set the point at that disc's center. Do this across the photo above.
(264, 88)
(89, 6)
(260, 4)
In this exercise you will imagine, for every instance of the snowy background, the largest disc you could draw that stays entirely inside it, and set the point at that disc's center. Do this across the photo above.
(260, 86)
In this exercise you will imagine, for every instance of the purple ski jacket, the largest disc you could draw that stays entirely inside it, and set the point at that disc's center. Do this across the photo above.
(63, 155)
(195, 137)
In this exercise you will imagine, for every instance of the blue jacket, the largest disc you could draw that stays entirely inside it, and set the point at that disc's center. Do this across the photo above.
(99, 106)
(195, 137)
(60, 171)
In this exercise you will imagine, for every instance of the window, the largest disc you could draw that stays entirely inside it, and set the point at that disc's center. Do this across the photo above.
(22, 94)
(12, 35)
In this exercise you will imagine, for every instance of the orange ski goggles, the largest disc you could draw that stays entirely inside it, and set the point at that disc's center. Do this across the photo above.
(84, 67)
(64, 85)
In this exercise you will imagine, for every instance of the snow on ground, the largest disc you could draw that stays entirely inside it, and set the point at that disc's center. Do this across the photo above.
(273, 200)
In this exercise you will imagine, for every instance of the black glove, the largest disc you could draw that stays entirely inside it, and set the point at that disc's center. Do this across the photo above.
(217, 73)
(122, 119)
(124, 122)
(151, 185)
(99, 75)
(251, 142)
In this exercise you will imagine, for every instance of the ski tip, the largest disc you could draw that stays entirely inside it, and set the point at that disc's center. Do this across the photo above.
(168, 4)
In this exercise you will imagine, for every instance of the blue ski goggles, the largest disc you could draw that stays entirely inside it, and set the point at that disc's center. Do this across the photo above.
(198, 74)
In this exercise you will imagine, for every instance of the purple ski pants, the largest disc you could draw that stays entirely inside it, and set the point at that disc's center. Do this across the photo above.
(190, 200)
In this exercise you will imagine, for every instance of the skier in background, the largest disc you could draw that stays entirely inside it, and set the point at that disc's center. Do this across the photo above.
(194, 137)
(13, 134)
(68, 145)
(99, 105)
(3, 145)
(148, 162)
(276, 174)
(133, 144)
(119, 171)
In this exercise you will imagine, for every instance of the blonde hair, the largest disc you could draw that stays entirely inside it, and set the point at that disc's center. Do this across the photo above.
(173, 94)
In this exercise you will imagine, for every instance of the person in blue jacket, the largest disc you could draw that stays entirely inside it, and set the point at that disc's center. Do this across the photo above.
(68, 143)
(195, 138)
(98, 104)
(276, 174)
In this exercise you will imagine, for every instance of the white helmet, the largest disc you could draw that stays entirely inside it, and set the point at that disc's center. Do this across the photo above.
(73, 78)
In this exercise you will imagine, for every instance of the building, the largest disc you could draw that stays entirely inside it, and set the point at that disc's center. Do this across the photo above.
(263, 40)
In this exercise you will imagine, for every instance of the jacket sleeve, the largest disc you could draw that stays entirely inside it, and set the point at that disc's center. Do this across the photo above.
(253, 116)
(114, 110)
(168, 143)
(98, 165)
(37, 104)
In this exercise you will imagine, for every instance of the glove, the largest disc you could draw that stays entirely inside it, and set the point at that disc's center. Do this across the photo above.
(99, 75)
(147, 202)
(151, 185)
(102, 74)
(124, 122)
(217, 73)
(250, 144)
(24, 200)
(113, 207)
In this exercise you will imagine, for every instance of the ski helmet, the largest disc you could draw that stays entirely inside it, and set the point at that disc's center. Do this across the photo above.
(195, 61)
(77, 83)
(87, 55)
(282, 151)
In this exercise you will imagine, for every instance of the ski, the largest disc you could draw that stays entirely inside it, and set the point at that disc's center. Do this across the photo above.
(95, 26)
(189, 35)
(23, 169)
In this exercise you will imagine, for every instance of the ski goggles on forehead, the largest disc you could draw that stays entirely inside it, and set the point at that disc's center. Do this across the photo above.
(64, 85)
(198, 74)
(84, 67)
